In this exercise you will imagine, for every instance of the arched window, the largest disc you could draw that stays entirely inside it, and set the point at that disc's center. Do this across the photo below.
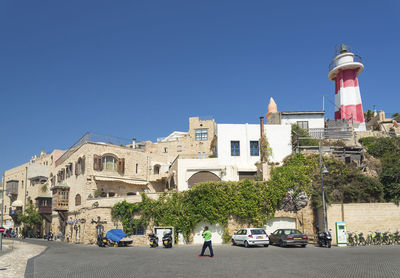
(109, 163)
(202, 176)
(78, 200)
(157, 169)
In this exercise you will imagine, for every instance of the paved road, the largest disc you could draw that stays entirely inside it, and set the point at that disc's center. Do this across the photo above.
(60, 260)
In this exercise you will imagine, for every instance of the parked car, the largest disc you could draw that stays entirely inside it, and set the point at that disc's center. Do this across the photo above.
(285, 237)
(250, 236)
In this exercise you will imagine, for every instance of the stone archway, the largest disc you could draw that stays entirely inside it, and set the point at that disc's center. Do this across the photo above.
(202, 176)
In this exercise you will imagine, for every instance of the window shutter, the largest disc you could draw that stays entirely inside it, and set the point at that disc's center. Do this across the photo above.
(121, 166)
(76, 169)
(82, 169)
(100, 164)
(96, 162)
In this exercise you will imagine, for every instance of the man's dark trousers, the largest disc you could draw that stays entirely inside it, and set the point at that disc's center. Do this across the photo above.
(209, 245)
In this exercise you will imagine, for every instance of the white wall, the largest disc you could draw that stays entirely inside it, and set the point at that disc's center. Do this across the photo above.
(189, 167)
(278, 136)
(225, 166)
(314, 121)
(216, 233)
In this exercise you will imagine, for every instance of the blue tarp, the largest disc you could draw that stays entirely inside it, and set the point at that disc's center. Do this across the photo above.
(115, 235)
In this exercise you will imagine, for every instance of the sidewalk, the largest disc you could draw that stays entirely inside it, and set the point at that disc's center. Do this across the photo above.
(14, 256)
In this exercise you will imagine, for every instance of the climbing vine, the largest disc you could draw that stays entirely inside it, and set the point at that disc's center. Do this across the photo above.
(249, 202)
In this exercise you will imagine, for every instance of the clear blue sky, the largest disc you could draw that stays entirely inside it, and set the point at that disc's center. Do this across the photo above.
(142, 68)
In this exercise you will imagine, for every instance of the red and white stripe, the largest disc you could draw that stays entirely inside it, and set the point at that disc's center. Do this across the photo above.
(347, 96)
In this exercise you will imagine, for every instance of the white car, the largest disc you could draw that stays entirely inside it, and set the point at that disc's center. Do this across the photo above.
(250, 236)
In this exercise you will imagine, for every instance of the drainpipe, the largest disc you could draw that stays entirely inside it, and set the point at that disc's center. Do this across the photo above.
(26, 185)
(261, 136)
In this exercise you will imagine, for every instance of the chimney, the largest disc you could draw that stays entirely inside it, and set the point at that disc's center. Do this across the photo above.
(261, 127)
(133, 143)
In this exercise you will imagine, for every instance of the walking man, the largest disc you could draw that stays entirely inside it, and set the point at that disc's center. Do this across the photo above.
(207, 242)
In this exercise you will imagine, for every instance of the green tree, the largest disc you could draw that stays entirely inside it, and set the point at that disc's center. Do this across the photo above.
(30, 218)
(388, 151)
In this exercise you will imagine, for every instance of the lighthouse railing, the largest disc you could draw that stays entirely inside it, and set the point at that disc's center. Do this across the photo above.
(333, 64)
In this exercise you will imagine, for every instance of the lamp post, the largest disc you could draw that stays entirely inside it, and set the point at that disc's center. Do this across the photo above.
(323, 171)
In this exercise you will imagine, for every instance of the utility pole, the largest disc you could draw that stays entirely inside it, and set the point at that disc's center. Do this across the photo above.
(323, 170)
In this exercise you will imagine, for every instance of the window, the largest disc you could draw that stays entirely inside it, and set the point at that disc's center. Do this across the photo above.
(138, 231)
(137, 168)
(254, 150)
(198, 155)
(78, 200)
(165, 150)
(303, 124)
(68, 170)
(235, 148)
(80, 166)
(201, 134)
(109, 163)
(156, 169)
(111, 194)
(131, 193)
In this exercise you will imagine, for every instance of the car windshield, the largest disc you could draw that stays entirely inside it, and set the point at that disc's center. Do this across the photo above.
(289, 232)
(258, 232)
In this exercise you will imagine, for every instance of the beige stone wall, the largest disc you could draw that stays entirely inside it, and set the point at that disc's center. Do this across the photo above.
(187, 144)
(86, 184)
(364, 217)
(17, 173)
(305, 219)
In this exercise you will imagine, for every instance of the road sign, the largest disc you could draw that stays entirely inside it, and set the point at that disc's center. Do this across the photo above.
(2, 229)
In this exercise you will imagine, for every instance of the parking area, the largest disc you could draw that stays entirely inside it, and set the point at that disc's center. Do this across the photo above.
(60, 260)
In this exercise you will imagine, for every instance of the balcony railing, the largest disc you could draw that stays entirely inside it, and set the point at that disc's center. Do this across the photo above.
(333, 64)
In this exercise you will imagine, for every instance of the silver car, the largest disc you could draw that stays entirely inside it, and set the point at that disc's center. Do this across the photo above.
(250, 236)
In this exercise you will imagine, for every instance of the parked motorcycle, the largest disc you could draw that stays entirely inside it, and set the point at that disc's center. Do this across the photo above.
(324, 239)
(167, 240)
(102, 241)
(153, 240)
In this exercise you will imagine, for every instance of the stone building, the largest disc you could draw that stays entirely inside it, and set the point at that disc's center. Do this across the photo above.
(24, 183)
(90, 177)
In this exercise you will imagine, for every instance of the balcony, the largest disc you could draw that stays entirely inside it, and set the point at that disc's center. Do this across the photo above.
(44, 204)
(12, 187)
(60, 197)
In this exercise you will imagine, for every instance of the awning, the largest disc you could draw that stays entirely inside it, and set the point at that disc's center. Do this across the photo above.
(124, 180)
(17, 203)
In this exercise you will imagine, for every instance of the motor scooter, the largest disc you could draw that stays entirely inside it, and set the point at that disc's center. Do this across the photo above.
(153, 240)
(167, 240)
(324, 239)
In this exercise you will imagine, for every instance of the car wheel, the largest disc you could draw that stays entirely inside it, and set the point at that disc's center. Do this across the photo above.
(266, 245)
(233, 242)
(304, 245)
(246, 244)
(281, 244)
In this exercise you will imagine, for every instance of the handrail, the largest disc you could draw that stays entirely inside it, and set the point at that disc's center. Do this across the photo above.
(332, 65)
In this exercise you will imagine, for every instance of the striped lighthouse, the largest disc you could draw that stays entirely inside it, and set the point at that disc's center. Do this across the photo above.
(344, 70)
